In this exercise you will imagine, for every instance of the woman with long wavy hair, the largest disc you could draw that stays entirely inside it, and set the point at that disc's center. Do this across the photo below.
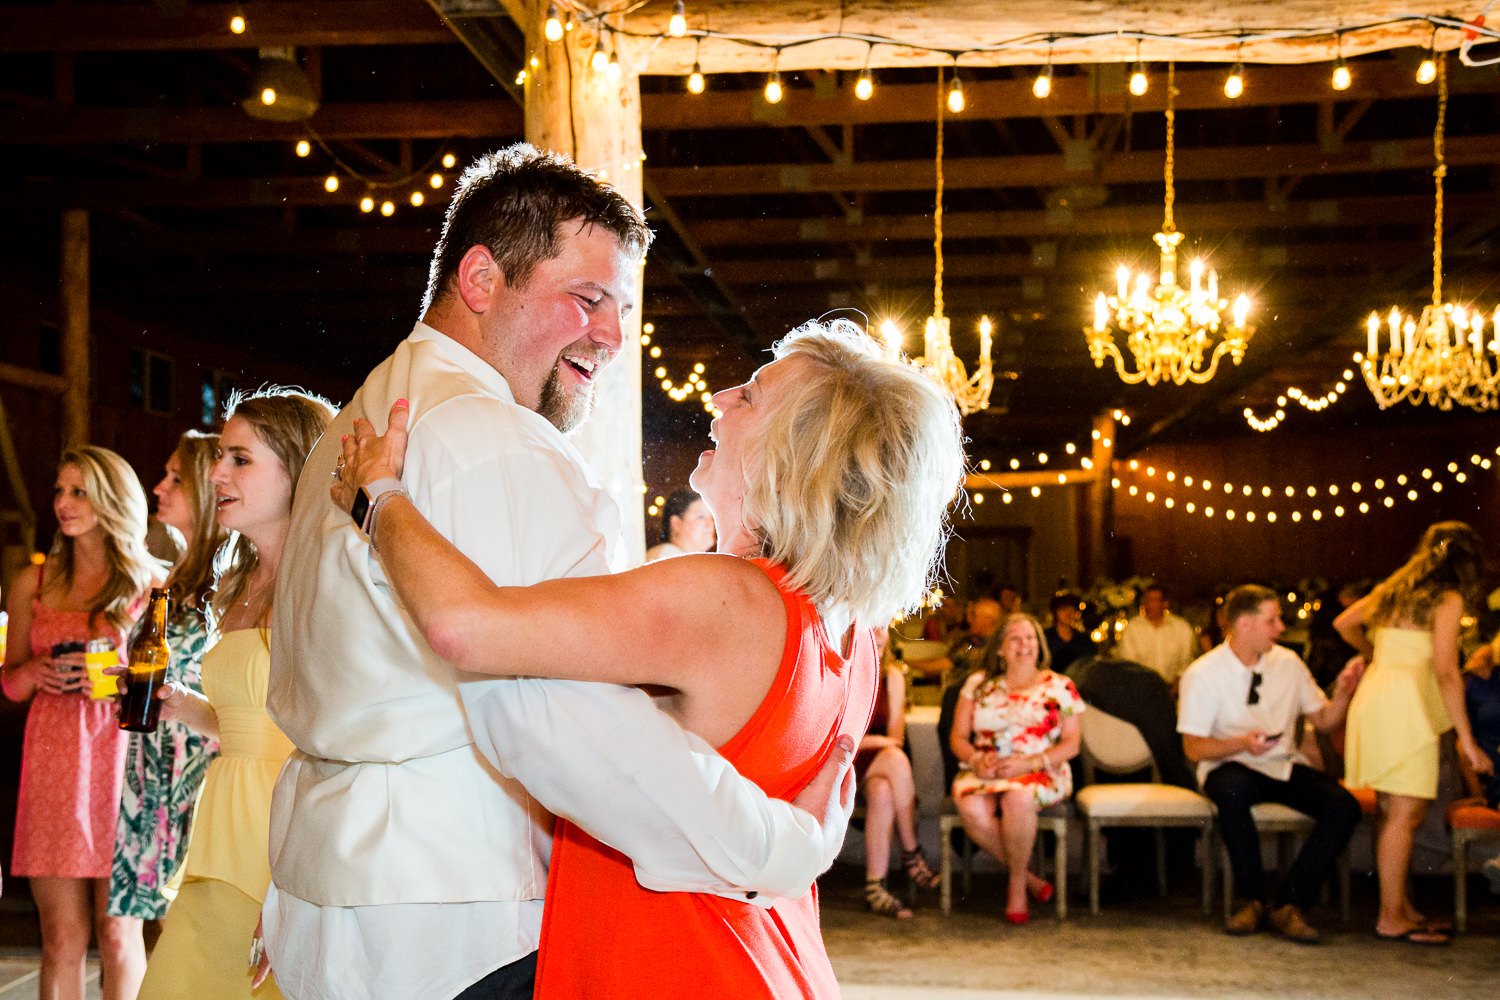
(164, 768)
(207, 934)
(91, 586)
(1407, 630)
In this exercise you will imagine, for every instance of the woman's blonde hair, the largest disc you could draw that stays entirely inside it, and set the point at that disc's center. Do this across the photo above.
(1449, 557)
(849, 487)
(119, 504)
(992, 661)
(192, 581)
(288, 422)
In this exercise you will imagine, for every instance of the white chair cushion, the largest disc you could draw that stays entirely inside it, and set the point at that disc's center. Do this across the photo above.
(1142, 801)
(1274, 812)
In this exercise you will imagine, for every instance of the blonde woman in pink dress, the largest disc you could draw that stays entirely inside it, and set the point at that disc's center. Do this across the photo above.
(91, 587)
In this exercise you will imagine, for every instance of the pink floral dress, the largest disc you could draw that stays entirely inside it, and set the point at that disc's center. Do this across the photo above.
(72, 766)
(1026, 722)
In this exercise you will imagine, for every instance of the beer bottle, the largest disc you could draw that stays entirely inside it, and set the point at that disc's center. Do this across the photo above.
(140, 709)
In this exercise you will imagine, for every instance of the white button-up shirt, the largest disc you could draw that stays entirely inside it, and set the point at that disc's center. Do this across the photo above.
(1167, 648)
(407, 858)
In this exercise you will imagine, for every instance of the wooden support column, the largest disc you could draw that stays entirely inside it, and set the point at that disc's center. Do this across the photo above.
(74, 295)
(1098, 514)
(595, 117)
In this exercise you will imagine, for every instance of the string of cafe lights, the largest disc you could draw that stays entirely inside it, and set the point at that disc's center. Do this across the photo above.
(561, 18)
(1381, 493)
(1041, 458)
(1315, 404)
(695, 386)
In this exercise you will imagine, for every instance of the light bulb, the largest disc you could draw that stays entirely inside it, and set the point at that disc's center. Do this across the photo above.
(268, 96)
(237, 22)
(773, 88)
(367, 204)
(600, 58)
(331, 183)
(417, 199)
(864, 87)
(1341, 75)
(1138, 81)
(613, 66)
(956, 96)
(1427, 72)
(303, 147)
(677, 27)
(387, 209)
(1234, 83)
(554, 28)
(1042, 85)
(436, 180)
(449, 160)
(695, 79)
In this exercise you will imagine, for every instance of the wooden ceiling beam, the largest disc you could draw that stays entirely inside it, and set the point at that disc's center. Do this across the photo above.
(138, 27)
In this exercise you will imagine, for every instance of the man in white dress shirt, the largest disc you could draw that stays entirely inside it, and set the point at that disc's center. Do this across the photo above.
(408, 860)
(1241, 703)
(1158, 639)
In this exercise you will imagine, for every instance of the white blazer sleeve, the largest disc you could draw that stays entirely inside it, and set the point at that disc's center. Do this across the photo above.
(605, 758)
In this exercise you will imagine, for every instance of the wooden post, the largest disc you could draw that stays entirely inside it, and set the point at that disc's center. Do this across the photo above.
(74, 295)
(594, 116)
(1099, 508)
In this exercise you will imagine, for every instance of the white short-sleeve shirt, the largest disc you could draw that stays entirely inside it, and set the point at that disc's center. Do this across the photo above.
(1215, 698)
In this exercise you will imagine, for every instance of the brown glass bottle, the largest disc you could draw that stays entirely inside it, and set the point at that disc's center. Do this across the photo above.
(140, 709)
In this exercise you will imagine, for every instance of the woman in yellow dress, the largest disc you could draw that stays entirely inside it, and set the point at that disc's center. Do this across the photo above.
(1407, 631)
(204, 950)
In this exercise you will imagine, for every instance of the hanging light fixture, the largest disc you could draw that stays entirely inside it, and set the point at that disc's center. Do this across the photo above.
(864, 87)
(1439, 358)
(1168, 329)
(970, 392)
(279, 90)
(1041, 87)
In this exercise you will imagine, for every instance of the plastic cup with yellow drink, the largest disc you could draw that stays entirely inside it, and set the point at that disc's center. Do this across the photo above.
(97, 655)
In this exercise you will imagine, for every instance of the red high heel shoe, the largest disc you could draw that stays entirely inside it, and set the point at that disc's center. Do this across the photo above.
(1041, 895)
(1017, 918)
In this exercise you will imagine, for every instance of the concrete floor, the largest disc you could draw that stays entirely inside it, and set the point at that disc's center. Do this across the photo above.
(1141, 947)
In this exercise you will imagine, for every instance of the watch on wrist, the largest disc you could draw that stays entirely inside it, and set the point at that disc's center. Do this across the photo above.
(364, 501)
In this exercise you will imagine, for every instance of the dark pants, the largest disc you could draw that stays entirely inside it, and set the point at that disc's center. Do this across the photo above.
(509, 982)
(1234, 788)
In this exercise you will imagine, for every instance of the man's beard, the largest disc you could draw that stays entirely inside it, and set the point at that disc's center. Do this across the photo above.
(566, 413)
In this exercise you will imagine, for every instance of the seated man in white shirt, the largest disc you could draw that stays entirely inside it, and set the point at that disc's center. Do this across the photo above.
(1240, 705)
(1158, 639)
(407, 859)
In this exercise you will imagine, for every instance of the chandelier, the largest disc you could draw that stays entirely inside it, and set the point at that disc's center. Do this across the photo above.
(970, 392)
(1168, 330)
(1439, 358)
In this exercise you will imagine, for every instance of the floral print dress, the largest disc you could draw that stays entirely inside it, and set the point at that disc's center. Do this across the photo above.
(163, 773)
(1024, 722)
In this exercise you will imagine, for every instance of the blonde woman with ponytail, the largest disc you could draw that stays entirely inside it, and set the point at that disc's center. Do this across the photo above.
(1407, 629)
(91, 586)
(207, 935)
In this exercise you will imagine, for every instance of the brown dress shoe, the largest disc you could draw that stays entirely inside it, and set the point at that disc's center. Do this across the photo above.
(1293, 925)
(1247, 919)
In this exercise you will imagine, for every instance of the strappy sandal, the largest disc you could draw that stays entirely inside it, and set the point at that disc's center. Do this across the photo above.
(917, 870)
(879, 899)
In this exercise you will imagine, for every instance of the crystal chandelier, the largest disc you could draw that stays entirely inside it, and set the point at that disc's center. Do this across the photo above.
(1168, 329)
(970, 392)
(1439, 358)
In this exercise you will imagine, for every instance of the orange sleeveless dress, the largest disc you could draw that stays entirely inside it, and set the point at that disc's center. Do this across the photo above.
(603, 936)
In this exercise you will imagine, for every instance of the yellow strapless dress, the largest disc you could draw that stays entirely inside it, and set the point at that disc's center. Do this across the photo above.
(205, 943)
(1397, 717)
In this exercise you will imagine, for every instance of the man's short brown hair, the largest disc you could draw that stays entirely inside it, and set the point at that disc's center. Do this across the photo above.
(1246, 599)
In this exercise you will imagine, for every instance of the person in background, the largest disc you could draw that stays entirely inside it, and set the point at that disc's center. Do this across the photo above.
(1212, 633)
(1066, 639)
(164, 768)
(885, 780)
(207, 935)
(1158, 639)
(1240, 705)
(686, 526)
(944, 620)
(982, 617)
(1482, 702)
(92, 585)
(1015, 728)
(1009, 597)
(1407, 629)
